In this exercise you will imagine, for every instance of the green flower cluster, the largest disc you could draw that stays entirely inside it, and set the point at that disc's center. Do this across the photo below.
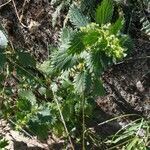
(98, 38)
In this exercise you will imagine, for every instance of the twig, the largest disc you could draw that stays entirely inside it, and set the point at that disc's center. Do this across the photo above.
(28, 135)
(5, 4)
(18, 14)
(23, 9)
(25, 132)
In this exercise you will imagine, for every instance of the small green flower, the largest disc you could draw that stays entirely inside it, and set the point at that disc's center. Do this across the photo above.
(100, 38)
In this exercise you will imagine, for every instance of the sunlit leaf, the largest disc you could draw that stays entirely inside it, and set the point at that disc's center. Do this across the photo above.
(28, 95)
(117, 26)
(104, 12)
(77, 17)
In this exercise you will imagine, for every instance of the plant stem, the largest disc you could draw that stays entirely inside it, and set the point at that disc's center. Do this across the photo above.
(83, 122)
(63, 121)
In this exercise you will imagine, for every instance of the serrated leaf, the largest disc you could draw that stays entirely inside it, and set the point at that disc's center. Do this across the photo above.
(104, 12)
(96, 63)
(88, 6)
(68, 109)
(28, 95)
(24, 105)
(61, 60)
(117, 26)
(45, 67)
(77, 17)
(3, 143)
(28, 74)
(76, 44)
(80, 82)
(105, 61)
(44, 115)
(58, 129)
(91, 37)
(98, 88)
(66, 35)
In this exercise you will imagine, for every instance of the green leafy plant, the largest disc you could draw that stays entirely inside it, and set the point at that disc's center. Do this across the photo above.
(135, 135)
(84, 54)
(3, 143)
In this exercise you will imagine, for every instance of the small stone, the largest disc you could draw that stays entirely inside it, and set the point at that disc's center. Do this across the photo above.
(140, 86)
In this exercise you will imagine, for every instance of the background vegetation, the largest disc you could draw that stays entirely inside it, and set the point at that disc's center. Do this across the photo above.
(57, 94)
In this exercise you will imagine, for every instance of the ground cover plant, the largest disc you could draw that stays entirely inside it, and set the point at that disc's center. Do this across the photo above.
(58, 96)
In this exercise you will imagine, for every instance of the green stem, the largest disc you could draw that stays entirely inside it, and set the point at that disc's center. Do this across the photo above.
(63, 121)
(83, 122)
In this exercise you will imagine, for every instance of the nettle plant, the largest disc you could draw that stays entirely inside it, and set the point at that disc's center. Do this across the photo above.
(84, 53)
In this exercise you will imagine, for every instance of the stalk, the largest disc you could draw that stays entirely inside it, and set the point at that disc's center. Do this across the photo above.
(63, 121)
(83, 122)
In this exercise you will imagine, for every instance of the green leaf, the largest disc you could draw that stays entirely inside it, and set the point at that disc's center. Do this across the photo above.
(88, 6)
(44, 115)
(127, 136)
(58, 129)
(39, 129)
(2, 60)
(77, 17)
(91, 37)
(98, 88)
(104, 12)
(2, 77)
(94, 63)
(76, 44)
(105, 61)
(3, 143)
(68, 109)
(132, 144)
(61, 60)
(26, 59)
(126, 42)
(24, 105)
(117, 26)
(65, 37)
(28, 95)
(80, 82)
(45, 67)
